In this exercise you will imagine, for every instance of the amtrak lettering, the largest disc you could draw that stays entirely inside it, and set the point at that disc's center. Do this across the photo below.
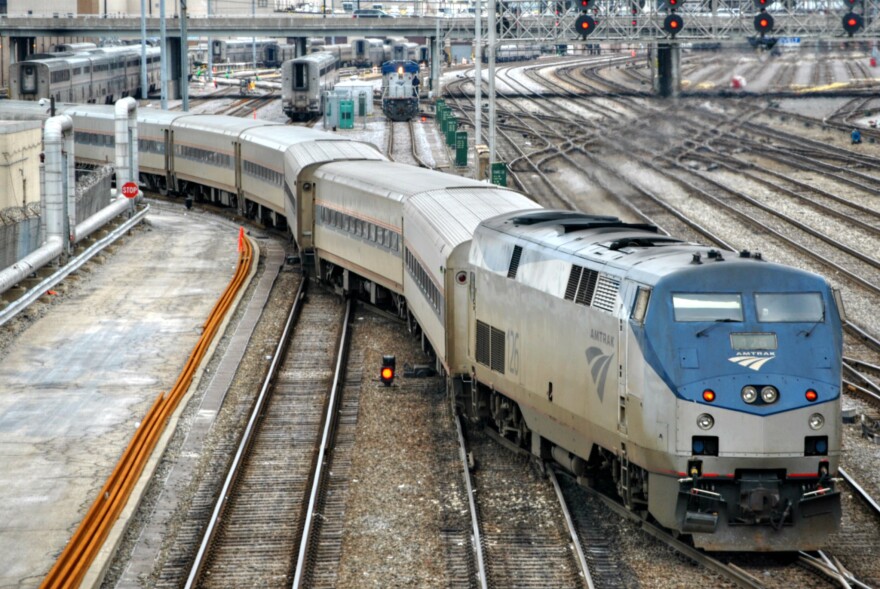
(599, 363)
(602, 337)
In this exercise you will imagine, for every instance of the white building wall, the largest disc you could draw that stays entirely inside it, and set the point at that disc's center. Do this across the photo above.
(20, 146)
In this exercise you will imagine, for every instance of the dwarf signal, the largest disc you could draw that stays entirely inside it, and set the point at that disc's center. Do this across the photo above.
(386, 374)
(587, 4)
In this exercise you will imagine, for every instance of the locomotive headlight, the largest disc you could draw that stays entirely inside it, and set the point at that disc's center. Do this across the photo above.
(816, 421)
(705, 421)
(769, 394)
(749, 394)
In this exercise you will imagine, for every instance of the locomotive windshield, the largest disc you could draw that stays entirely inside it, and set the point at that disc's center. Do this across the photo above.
(788, 307)
(707, 307)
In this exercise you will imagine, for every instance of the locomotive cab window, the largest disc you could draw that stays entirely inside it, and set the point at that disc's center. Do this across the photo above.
(790, 307)
(707, 307)
(640, 307)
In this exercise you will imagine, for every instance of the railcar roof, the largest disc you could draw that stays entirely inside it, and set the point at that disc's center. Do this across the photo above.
(283, 136)
(393, 180)
(318, 57)
(455, 213)
(219, 124)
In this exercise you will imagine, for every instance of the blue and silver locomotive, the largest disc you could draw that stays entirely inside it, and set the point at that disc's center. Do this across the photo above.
(707, 382)
(400, 90)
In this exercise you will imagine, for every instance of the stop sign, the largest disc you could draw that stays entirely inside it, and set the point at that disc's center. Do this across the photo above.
(129, 190)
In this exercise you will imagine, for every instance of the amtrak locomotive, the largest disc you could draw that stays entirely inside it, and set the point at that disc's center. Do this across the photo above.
(400, 90)
(705, 384)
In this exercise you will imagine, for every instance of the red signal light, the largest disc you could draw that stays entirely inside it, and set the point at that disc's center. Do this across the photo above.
(709, 395)
(852, 22)
(584, 25)
(634, 22)
(386, 375)
(763, 23)
(811, 395)
(673, 24)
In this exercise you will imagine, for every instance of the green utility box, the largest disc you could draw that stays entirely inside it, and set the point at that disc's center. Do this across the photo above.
(499, 174)
(346, 114)
(439, 105)
(451, 129)
(461, 148)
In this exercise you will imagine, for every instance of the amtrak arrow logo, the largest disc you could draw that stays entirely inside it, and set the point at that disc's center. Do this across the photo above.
(599, 364)
(753, 362)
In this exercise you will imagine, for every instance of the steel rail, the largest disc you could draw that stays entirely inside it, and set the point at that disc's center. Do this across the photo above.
(729, 572)
(320, 473)
(74, 561)
(865, 496)
(572, 531)
(472, 504)
(247, 436)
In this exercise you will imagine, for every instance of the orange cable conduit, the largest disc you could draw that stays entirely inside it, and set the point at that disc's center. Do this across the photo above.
(76, 558)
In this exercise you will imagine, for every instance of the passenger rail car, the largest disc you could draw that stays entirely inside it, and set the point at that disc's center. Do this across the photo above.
(275, 54)
(304, 81)
(405, 51)
(369, 52)
(341, 51)
(514, 52)
(239, 50)
(705, 384)
(400, 90)
(99, 75)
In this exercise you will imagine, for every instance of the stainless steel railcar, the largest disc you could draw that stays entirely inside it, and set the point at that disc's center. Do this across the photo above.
(303, 83)
(708, 382)
(341, 51)
(239, 50)
(369, 52)
(100, 75)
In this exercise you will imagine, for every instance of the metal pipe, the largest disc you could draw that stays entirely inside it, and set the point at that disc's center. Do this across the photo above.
(57, 134)
(126, 141)
(99, 219)
(51, 249)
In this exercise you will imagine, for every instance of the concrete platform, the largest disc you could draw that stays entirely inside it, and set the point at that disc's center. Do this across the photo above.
(74, 385)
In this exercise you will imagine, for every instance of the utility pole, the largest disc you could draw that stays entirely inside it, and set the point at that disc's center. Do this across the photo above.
(491, 48)
(210, 50)
(184, 58)
(163, 39)
(254, 39)
(478, 85)
(143, 50)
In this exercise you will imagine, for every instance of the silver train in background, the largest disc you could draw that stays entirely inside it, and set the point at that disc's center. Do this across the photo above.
(96, 75)
(703, 384)
(303, 83)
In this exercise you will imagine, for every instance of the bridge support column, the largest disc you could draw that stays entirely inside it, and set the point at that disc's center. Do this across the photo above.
(301, 45)
(172, 51)
(668, 80)
(21, 48)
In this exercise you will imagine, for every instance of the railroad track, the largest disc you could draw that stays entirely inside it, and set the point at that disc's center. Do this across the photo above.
(402, 145)
(253, 535)
(522, 538)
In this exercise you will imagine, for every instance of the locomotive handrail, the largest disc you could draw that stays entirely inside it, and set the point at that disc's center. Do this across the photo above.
(76, 558)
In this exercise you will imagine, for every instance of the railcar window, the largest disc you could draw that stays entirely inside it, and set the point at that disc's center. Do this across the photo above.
(707, 307)
(790, 307)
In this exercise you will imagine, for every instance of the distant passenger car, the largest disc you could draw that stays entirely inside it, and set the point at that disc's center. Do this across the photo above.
(370, 13)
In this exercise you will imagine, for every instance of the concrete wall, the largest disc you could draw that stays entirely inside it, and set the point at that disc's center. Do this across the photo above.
(20, 146)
